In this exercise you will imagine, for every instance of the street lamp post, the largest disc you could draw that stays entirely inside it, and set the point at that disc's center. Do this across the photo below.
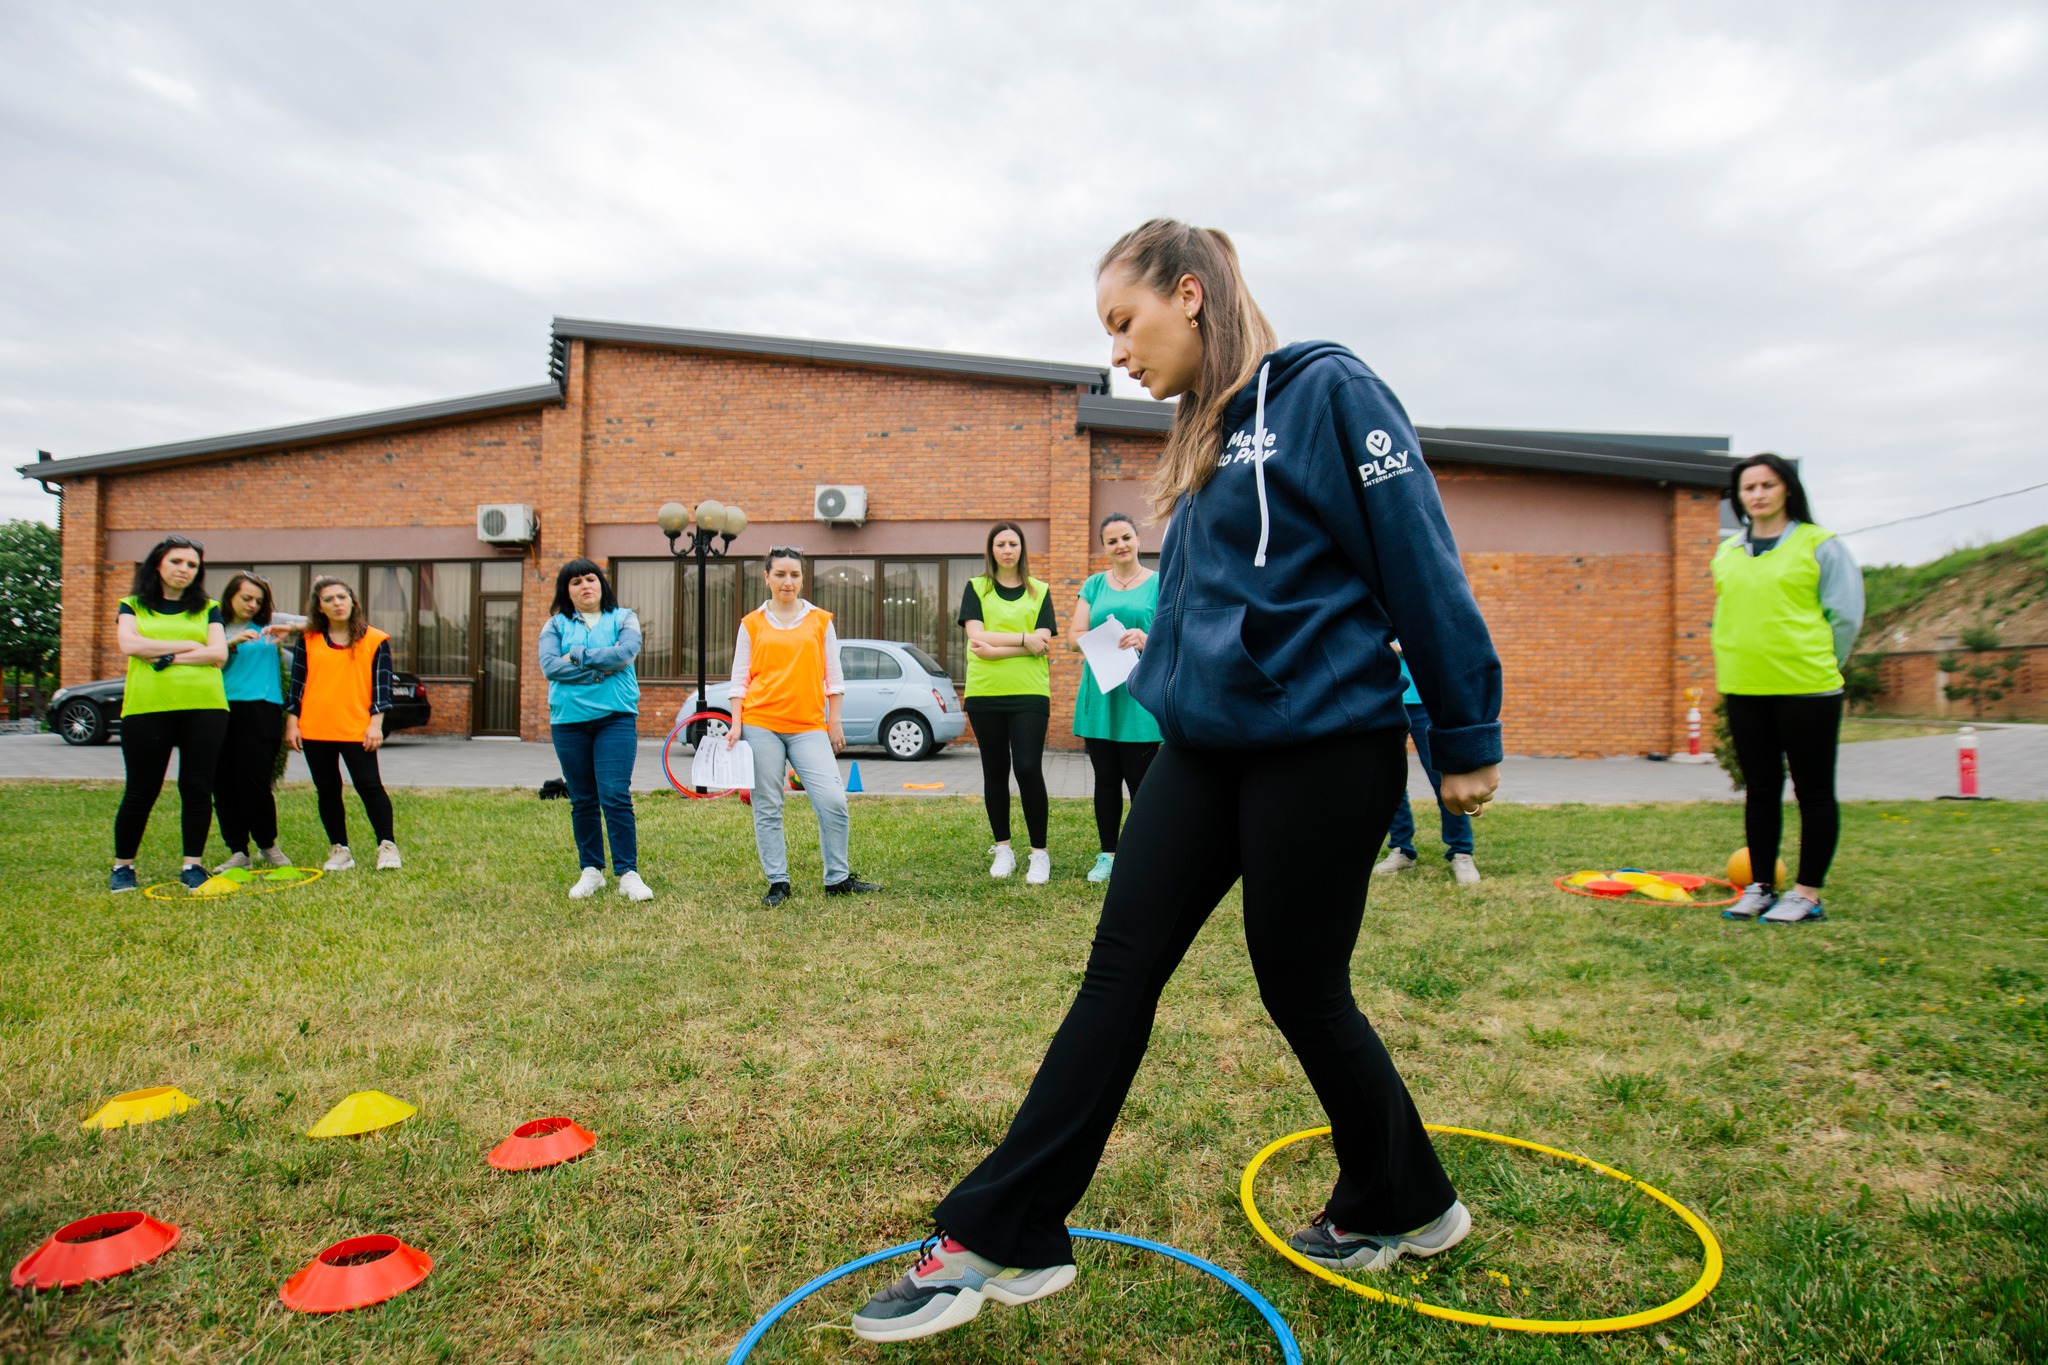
(713, 520)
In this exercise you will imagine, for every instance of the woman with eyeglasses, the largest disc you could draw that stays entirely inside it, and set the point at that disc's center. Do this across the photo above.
(587, 649)
(785, 699)
(340, 690)
(254, 681)
(1009, 621)
(171, 633)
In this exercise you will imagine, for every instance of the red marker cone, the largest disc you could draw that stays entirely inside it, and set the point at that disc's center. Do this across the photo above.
(544, 1142)
(95, 1248)
(355, 1274)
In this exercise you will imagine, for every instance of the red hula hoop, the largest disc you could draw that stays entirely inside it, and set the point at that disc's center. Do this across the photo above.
(668, 746)
(1633, 899)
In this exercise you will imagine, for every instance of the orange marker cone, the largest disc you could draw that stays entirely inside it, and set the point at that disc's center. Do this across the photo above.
(355, 1274)
(95, 1248)
(544, 1142)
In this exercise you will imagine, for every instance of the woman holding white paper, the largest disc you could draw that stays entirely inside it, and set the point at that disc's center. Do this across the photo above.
(1120, 735)
(785, 698)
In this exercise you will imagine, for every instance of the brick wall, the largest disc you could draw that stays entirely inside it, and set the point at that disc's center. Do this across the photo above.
(1910, 685)
(449, 698)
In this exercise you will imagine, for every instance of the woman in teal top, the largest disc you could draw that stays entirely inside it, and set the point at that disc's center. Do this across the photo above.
(254, 681)
(1120, 735)
(170, 632)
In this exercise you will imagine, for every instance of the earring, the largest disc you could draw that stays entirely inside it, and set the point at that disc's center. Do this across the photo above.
(1192, 322)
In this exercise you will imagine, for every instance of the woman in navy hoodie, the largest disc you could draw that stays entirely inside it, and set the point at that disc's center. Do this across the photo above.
(1305, 534)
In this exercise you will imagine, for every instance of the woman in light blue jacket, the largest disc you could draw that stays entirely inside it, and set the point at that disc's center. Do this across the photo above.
(587, 649)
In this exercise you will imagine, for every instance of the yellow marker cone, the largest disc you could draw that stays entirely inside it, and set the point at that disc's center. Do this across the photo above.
(1659, 889)
(141, 1106)
(363, 1112)
(217, 886)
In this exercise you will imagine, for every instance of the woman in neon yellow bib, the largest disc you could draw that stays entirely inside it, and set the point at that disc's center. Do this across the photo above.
(1010, 625)
(1788, 606)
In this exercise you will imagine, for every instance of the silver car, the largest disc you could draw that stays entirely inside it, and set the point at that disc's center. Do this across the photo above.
(897, 696)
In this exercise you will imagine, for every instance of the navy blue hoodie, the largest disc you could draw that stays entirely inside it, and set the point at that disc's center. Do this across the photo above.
(1282, 579)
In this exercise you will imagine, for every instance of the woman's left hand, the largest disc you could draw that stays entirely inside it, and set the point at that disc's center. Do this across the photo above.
(1132, 639)
(837, 732)
(373, 738)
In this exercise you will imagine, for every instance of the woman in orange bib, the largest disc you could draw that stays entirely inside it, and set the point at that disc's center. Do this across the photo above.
(786, 689)
(341, 688)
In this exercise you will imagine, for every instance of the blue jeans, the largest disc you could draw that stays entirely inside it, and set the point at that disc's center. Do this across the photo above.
(810, 753)
(597, 763)
(1457, 829)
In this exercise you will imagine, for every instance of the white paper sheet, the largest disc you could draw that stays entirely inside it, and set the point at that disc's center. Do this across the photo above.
(1110, 664)
(717, 768)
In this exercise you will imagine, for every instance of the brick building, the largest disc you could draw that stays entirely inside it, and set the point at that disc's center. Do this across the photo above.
(1588, 553)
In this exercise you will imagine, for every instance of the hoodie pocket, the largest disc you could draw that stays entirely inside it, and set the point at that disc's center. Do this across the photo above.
(1222, 697)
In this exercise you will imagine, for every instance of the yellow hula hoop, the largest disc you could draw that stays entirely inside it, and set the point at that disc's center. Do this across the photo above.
(1710, 1274)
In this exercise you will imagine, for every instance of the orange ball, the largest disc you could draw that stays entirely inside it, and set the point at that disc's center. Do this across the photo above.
(1739, 872)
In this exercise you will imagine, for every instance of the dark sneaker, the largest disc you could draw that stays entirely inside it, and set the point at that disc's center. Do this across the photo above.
(194, 876)
(1794, 907)
(122, 880)
(946, 1288)
(851, 886)
(778, 892)
(1328, 1245)
(1755, 900)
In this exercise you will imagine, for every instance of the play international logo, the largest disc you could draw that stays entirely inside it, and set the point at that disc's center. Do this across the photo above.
(1378, 444)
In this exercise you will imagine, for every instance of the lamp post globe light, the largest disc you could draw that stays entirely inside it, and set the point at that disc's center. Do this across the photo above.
(711, 521)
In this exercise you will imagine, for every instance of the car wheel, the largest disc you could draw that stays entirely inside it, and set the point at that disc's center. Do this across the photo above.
(715, 728)
(80, 722)
(907, 737)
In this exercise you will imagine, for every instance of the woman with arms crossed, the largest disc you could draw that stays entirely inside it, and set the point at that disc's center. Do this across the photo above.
(1120, 735)
(1306, 532)
(1788, 605)
(786, 694)
(254, 678)
(1008, 616)
(587, 649)
(341, 688)
(170, 632)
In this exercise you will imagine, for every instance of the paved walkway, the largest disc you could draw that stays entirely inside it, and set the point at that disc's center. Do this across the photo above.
(2012, 762)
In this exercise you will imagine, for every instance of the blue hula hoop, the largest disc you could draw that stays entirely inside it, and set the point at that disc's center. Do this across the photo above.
(1290, 1350)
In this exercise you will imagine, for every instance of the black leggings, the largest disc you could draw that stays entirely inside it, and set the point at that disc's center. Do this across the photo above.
(1117, 765)
(1012, 741)
(1300, 825)
(1769, 733)
(146, 744)
(242, 784)
(323, 760)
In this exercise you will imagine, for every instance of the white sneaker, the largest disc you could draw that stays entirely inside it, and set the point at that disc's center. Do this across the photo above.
(1005, 863)
(339, 859)
(387, 856)
(633, 889)
(1038, 871)
(234, 860)
(1395, 861)
(1464, 869)
(277, 857)
(587, 885)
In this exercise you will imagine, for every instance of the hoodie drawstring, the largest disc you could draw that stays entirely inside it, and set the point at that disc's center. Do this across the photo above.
(1259, 467)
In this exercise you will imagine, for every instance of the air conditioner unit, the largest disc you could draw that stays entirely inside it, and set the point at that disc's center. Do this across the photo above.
(506, 523)
(840, 503)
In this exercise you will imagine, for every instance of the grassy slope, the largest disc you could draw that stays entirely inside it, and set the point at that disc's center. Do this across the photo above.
(1856, 1107)
(1891, 589)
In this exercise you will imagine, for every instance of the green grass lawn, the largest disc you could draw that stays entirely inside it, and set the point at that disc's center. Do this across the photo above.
(1856, 1107)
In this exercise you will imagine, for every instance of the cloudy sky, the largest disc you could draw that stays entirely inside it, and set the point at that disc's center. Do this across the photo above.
(1820, 229)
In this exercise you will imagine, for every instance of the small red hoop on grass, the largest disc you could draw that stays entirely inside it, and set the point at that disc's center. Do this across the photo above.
(1695, 883)
(682, 726)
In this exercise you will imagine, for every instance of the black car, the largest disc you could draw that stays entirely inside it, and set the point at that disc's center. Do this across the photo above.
(91, 712)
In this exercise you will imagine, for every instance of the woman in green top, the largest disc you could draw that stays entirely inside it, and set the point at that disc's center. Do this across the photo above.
(1788, 604)
(171, 633)
(1009, 620)
(1120, 735)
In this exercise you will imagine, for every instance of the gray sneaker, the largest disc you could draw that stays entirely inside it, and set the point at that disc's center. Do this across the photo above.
(1755, 900)
(1794, 907)
(1395, 861)
(1327, 1245)
(946, 1288)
